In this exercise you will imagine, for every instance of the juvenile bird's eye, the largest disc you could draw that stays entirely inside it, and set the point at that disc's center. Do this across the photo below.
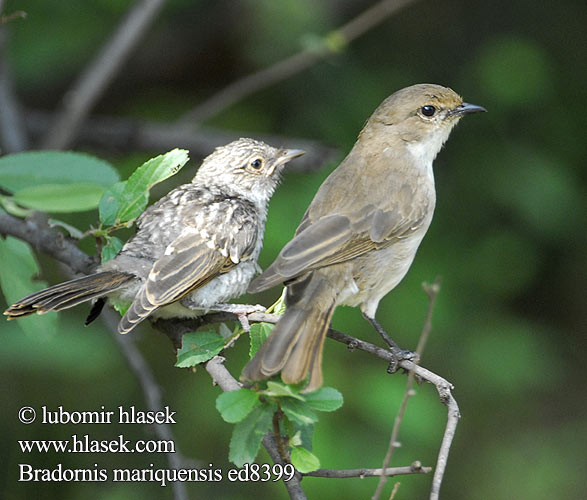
(428, 110)
(257, 163)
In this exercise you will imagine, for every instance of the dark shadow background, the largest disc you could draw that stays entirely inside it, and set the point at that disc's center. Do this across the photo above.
(508, 240)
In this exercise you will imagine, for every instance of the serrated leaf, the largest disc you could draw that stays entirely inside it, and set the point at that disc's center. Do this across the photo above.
(234, 406)
(111, 249)
(304, 460)
(19, 268)
(58, 198)
(258, 334)
(126, 200)
(298, 411)
(248, 434)
(198, 347)
(279, 389)
(34, 168)
(324, 399)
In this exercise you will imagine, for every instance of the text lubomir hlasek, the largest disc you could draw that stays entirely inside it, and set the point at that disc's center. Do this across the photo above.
(122, 415)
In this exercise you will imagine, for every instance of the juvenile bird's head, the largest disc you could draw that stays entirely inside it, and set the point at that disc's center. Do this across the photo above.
(420, 117)
(247, 166)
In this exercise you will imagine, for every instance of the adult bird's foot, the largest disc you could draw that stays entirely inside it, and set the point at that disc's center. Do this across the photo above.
(399, 355)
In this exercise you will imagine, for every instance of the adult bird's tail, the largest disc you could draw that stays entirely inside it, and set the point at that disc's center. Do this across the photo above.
(68, 294)
(294, 347)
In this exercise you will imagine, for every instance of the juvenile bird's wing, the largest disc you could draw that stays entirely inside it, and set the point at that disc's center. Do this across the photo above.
(339, 237)
(218, 237)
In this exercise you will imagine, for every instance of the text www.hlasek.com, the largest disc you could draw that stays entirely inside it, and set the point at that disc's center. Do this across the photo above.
(83, 444)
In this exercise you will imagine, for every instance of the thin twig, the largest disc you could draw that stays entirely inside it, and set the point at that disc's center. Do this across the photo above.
(394, 491)
(100, 72)
(330, 45)
(432, 292)
(415, 468)
(151, 391)
(125, 134)
(221, 376)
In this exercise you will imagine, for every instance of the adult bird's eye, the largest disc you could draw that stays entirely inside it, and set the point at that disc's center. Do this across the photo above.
(257, 163)
(428, 110)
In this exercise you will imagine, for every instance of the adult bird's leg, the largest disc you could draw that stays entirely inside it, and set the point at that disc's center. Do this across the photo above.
(398, 353)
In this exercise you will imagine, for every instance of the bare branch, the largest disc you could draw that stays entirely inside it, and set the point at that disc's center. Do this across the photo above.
(415, 468)
(432, 292)
(97, 76)
(12, 130)
(331, 44)
(151, 391)
(36, 231)
(215, 367)
(123, 134)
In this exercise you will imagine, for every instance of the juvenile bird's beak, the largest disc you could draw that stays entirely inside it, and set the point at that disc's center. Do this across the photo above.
(284, 156)
(465, 109)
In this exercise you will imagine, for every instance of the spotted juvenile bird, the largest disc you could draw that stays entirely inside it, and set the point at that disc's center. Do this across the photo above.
(361, 232)
(194, 249)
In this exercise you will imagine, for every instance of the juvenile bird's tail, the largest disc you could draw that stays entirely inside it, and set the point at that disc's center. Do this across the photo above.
(68, 294)
(294, 347)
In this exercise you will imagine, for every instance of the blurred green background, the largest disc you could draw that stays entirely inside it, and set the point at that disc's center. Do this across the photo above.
(508, 240)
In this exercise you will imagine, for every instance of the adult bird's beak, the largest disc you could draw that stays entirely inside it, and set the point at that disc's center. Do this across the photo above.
(465, 109)
(284, 156)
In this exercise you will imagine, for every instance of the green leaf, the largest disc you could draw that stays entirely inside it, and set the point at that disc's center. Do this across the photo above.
(120, 305)
(304, 460)
(111, 249)
(324, 399)
(13, 208)
(304, 434)
(126, 200)
(19, 268)
(224, 331)
(279, 389)
(258, 334)
(279, 306)
(57, 198)
(236, 405)
(298, 411)
(248, 434)
(34, 168)
(73, 231)
(110, 203)
(198, 347)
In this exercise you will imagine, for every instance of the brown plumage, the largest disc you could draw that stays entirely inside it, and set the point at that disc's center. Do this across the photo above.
(361, 232)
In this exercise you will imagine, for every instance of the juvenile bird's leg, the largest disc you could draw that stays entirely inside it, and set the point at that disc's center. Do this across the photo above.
(398, 353)
(241, 310)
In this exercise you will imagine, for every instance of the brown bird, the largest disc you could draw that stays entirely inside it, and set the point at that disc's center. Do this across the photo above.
(361, 232)
(194, 249)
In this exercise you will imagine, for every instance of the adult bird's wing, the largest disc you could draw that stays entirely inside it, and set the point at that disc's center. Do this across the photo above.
(337, 238)
(193, 259)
